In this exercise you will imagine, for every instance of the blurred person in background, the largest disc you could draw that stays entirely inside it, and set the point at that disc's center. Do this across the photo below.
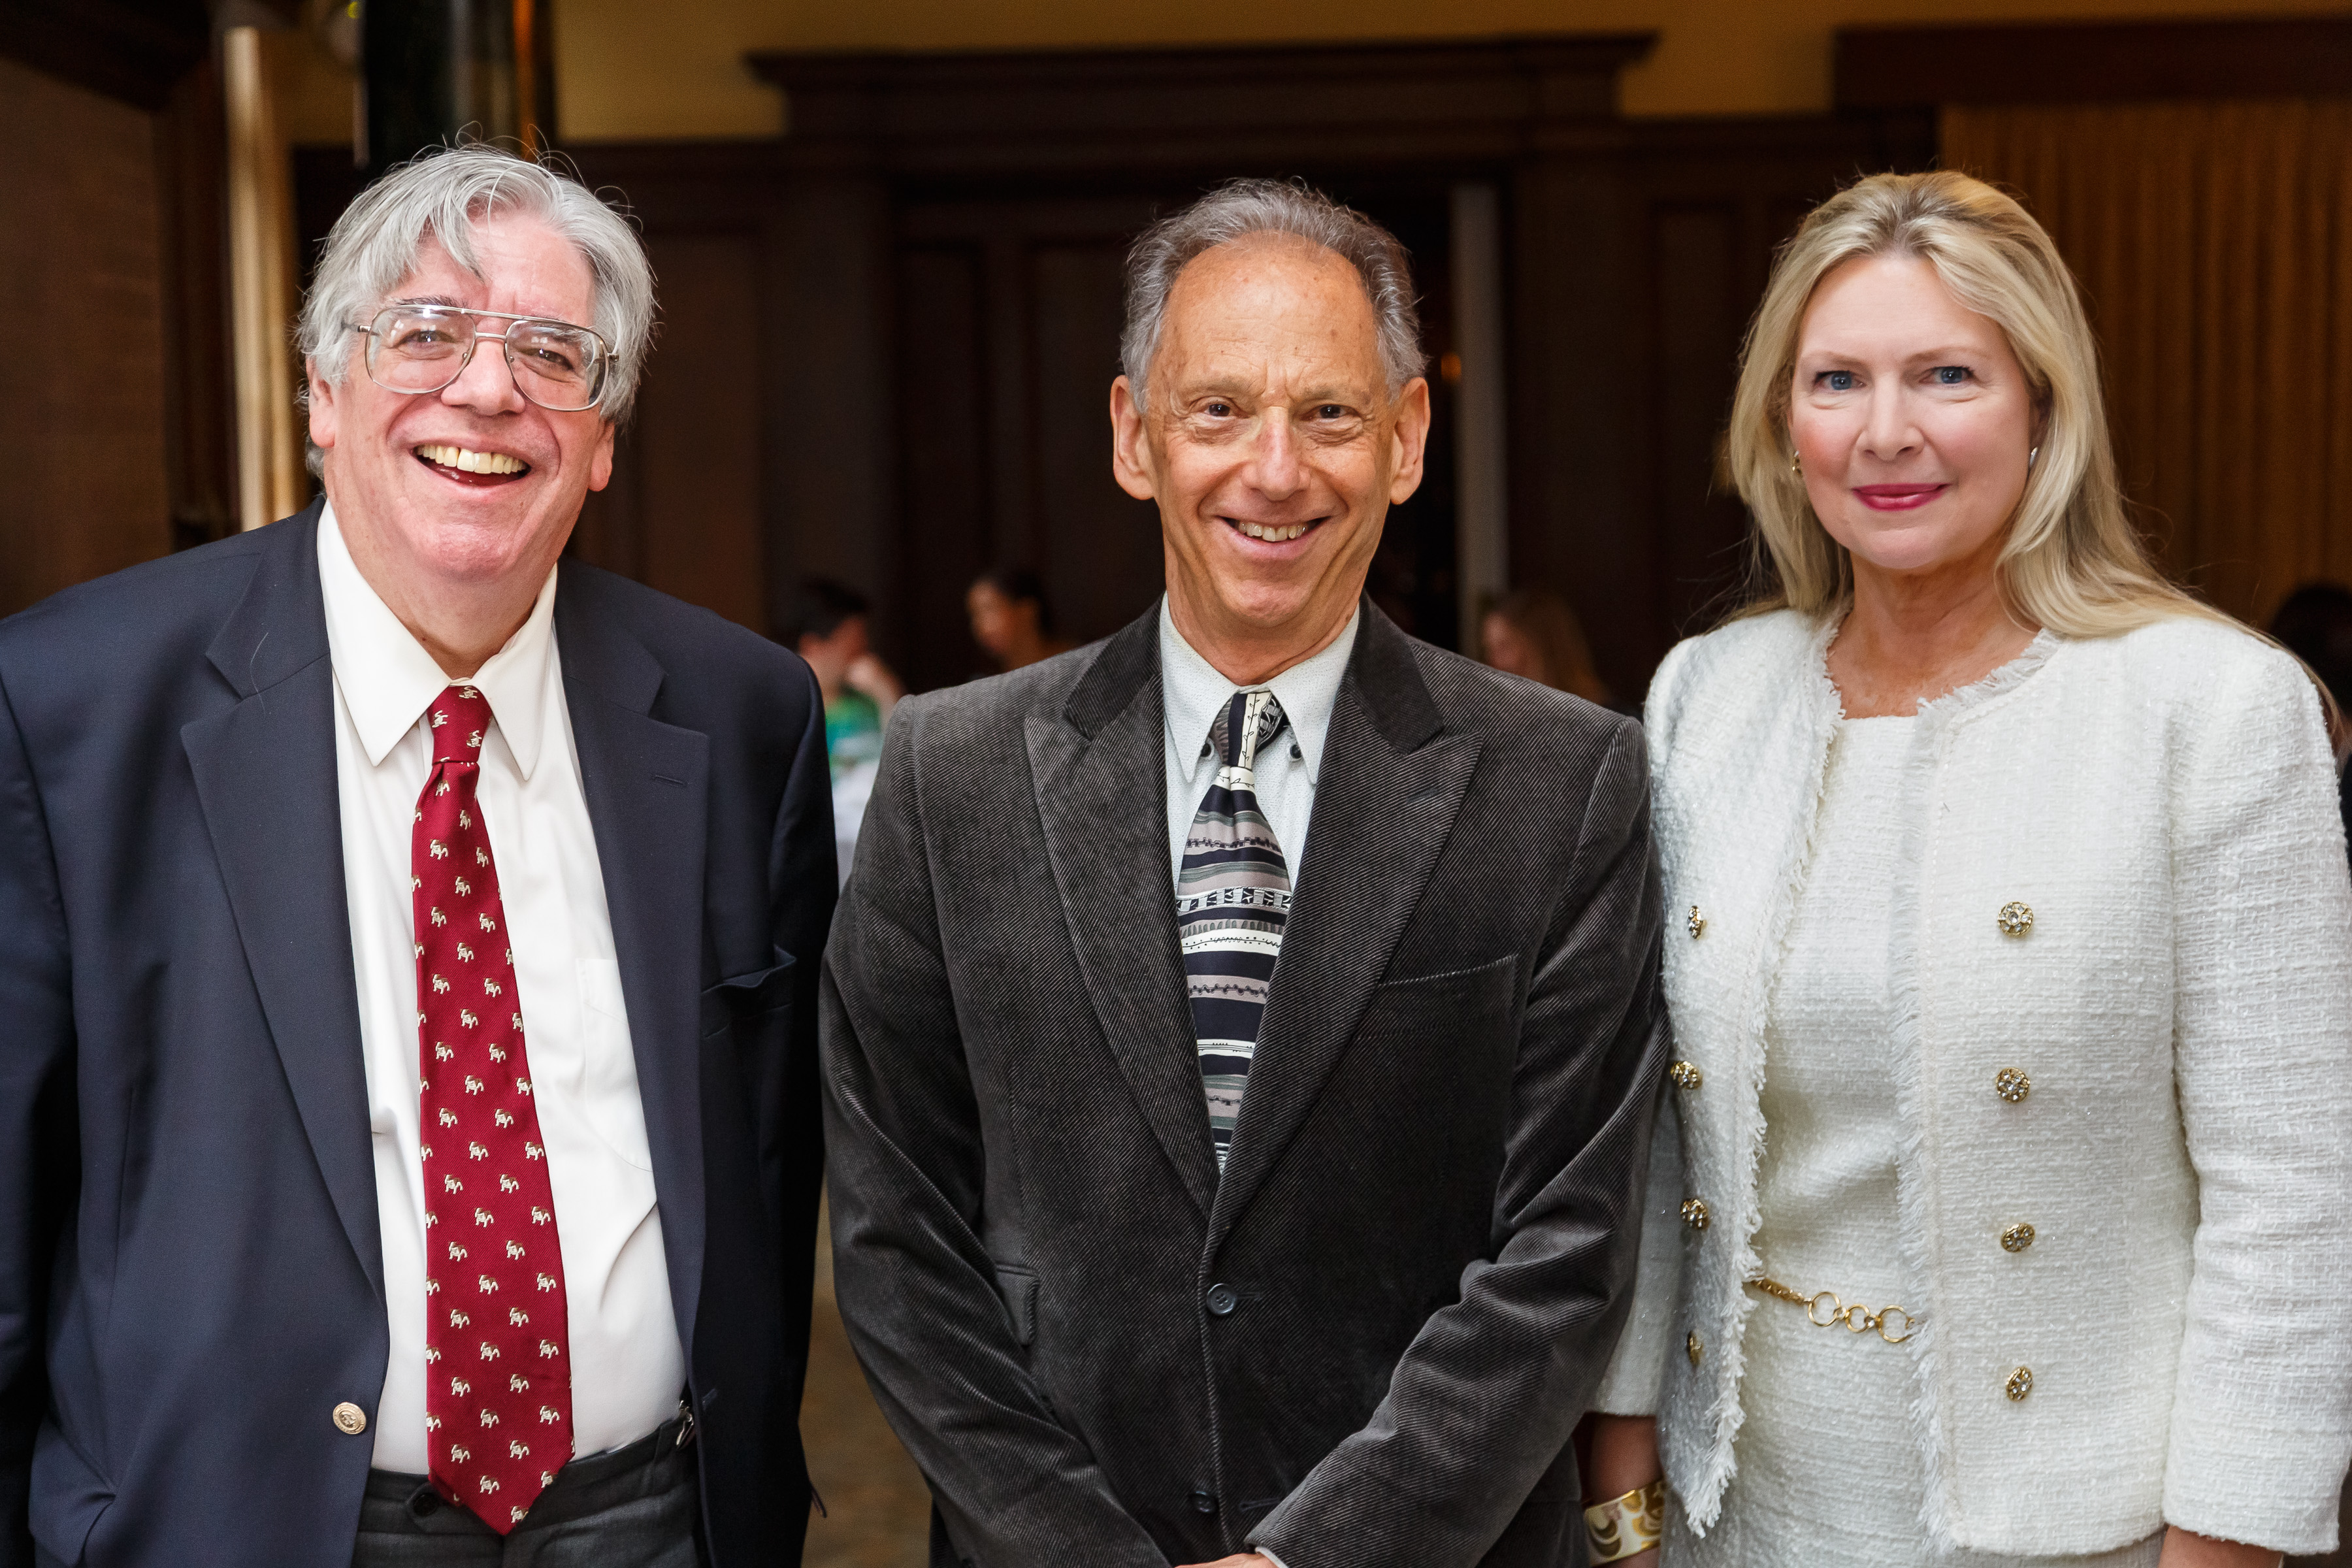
(827, 625)
(1012, 619)
(1998, 1216)
(1531, 632)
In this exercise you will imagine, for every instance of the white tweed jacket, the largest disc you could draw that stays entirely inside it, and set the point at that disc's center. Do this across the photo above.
(2179, 1011)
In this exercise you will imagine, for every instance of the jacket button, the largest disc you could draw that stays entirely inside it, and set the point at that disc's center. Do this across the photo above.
(1695, 1213)
(1686, 1075)
(2012, 1084)
(1694, 1347)
(1695, 922)
(349, 1419)
(2016, 919)
(2019, 1384)
(2017, 1237)
(1222, 1300)
(1204, 1502)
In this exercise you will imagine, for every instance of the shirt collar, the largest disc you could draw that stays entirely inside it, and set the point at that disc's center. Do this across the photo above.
(388, 680)
(1193, 689)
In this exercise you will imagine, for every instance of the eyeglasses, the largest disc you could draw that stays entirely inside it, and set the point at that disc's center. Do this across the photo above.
(416, 348)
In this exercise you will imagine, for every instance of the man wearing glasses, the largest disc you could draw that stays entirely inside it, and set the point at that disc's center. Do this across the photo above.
(408, 1148)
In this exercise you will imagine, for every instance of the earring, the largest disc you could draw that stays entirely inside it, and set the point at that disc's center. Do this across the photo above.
(1797, 464)
(2033, 454)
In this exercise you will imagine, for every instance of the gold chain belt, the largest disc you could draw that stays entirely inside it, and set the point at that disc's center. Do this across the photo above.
(1857, 1319)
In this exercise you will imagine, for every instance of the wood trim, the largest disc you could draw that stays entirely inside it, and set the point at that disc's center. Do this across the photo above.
(1908, 67)
(1117, 111)
(131, 53)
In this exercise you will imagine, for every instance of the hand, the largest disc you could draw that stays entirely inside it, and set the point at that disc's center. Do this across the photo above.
(2187, 1549)
(871, 676)
(1247, 1560)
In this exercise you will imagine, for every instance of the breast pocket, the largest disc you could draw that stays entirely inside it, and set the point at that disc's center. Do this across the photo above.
(605, 1091)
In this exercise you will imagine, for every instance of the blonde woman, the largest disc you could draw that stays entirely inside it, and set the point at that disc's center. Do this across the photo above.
(2000, 1215)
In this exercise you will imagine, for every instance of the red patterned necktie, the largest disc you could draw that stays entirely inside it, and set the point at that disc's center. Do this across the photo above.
(498, 1367)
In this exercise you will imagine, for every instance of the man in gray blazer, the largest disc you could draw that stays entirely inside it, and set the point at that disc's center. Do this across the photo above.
(1131, 1295)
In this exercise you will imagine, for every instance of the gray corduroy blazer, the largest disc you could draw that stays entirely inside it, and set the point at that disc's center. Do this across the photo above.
(1368, 1342)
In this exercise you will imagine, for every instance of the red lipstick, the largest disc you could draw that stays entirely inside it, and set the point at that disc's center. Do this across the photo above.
(1898, 497)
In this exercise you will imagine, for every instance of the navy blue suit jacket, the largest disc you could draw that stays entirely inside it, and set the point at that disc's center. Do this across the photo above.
(191, 1278)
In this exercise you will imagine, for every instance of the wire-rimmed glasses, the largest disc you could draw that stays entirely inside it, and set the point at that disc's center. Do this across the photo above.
(417, 348)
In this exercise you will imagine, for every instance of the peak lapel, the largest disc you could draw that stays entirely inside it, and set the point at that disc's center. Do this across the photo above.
(1102, 788)
(265, 776)
(1391, 783)
(647, 788)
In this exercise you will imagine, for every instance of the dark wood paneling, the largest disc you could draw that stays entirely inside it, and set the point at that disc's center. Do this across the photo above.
(1892, 68)
(1701, 291)
(1097, 547)
(944, 483)
(697, 422)
(684, 512)
(133, 51)
(199, 438)
(84, 479)
(1020, 115)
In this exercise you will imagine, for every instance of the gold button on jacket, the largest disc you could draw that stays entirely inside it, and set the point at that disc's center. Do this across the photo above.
(1695, 1213)
(1686, 1075)
(2012, 1084)
(1694, 1347)
(2017, 1237)
(2019, 1384)
(2016, 919)
(350, 1418)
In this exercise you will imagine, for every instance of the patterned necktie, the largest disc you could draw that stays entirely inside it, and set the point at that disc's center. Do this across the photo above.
(1232, 892)
(498, 1373)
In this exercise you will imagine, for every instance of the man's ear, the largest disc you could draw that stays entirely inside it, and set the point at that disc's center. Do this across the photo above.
(322, 407)
(600, 466)
(1410, 441)
(1132, 461)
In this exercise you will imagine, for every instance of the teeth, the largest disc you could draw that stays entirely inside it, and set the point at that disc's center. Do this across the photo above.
(471, 461)
(1274, 535)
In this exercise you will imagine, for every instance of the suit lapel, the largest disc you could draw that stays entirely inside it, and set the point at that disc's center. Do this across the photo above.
(265, 776)
(1391, 783)
(647, 785)
(1101, 786)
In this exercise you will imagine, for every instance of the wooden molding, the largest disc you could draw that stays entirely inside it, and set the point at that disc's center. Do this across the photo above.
(1903, 68)
(133, 53)
(1112, 110)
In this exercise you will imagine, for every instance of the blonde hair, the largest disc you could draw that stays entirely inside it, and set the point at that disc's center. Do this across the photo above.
(2073, 561)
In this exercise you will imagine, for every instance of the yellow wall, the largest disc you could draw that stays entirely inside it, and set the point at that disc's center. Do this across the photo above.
(629, 69)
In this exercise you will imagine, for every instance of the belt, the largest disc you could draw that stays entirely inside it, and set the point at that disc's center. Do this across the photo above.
(1857, 1318)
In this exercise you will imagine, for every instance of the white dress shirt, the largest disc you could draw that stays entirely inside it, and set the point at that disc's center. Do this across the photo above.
(1190, 693)
(627, 1365)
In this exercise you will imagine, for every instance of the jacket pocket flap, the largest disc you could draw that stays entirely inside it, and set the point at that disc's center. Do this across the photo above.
(747, 995)
(1019, 1287)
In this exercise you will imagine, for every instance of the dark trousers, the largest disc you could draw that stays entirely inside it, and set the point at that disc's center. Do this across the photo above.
(634, 1508)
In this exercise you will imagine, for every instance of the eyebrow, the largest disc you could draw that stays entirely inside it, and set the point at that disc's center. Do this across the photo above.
(1942, 353)
(1227, 386)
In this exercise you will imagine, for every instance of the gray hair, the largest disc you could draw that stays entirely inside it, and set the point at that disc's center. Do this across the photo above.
(443, 193)
(1239, 208)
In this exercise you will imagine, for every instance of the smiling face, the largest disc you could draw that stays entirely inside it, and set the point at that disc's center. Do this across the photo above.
(474, 486)
(1912, 418)
(1272, 446)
